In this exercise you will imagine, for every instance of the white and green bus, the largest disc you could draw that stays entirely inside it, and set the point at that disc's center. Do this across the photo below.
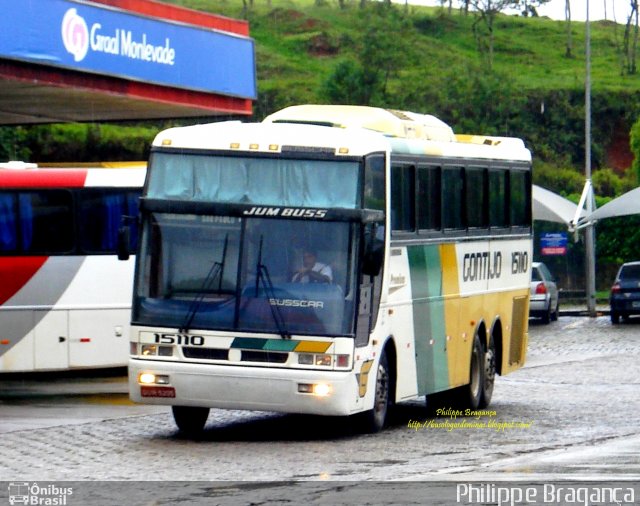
(331, 260)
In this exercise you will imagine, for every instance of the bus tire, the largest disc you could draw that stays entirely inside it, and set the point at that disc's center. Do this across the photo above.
(470, 395)
(189, 419)
(376, 418)
(489, 374)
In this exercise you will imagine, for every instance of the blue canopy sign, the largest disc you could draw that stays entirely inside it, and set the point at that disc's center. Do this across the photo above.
(102, 40)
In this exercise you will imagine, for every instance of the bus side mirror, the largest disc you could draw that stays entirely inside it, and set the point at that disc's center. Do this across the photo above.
(124, 242)
(373, 249)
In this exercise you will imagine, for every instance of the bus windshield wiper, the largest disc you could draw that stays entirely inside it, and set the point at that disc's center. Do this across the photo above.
(262, 274)
(215, 272)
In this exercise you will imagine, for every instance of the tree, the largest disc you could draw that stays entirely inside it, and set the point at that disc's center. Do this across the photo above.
(449, 5)
(630, 43)
(486, 13)
(528, 8)
(379, 55)
(346, 84)
(635, 147)
(567, 19)
(12, 144)
(86, 142)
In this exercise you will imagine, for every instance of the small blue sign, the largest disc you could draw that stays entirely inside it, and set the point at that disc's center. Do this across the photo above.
(554, 243)
(106, 41)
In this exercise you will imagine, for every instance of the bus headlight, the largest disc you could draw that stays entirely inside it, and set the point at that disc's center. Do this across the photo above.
(321, 389)
(323, 360)
(317, 389)
(148, 378)
(165, 351)
(151, 350)
(305, 359)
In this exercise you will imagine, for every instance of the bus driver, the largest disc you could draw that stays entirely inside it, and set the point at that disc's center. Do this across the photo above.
(312, 271)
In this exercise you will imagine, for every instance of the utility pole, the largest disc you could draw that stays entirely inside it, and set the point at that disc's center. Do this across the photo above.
(589, 233)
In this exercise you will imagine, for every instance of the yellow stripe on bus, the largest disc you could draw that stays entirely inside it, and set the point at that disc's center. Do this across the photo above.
(363, 377)
(449, 269)
(312, 347)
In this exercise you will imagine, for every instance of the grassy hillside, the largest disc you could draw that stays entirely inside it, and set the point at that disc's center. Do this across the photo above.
(432, 61)
(299, 43)
(427, 60)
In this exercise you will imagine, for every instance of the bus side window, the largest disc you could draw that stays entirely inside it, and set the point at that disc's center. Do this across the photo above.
(374, 183)
(452, 207)
(132, 212)
(101, 216)
(16, 221)
(403, 198)
(8, 237)
(51, 223)
(429, 198)
(476, 197)
(520, 190)
(498, 198)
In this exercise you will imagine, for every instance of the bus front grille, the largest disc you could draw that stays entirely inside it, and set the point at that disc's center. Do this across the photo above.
(205, 353)
(247, 355)
(264, 356)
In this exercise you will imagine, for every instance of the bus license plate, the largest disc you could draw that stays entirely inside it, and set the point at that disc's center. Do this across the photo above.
(153, 391)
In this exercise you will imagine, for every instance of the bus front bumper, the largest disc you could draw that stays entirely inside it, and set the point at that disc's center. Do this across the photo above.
(247, 388)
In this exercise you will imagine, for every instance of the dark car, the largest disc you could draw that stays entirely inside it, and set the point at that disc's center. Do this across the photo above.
(625, 292)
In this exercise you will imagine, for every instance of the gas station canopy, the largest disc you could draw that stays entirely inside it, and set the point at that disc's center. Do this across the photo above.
(114, 60)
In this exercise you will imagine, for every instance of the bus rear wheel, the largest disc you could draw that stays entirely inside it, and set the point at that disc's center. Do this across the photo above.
(189, 419)
(489, 374)
(470, 396)
(375, 419)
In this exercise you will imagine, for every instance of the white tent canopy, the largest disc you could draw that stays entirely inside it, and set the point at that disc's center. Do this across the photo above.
(626, 204)
(549, 206)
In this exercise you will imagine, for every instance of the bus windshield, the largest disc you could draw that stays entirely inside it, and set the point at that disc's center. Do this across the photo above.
(255, 180)
(252, 274)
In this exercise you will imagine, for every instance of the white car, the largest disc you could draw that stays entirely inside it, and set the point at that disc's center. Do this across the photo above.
(543, 296)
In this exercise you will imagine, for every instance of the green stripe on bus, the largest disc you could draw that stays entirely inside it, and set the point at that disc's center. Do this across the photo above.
(280, 345)
(428, 318)
(248, 343)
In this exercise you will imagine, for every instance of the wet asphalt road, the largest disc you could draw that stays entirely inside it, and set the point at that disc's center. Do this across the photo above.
(570, 414)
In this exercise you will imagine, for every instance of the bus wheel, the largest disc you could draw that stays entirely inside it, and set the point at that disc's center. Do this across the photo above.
(375, 419)
(489, 374)
(189, 419)
(471, 394)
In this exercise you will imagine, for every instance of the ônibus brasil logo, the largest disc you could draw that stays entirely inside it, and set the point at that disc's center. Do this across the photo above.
(75, 34)
(42, 495)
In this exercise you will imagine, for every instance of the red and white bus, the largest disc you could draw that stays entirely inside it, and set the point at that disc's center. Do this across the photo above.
(65, 299)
